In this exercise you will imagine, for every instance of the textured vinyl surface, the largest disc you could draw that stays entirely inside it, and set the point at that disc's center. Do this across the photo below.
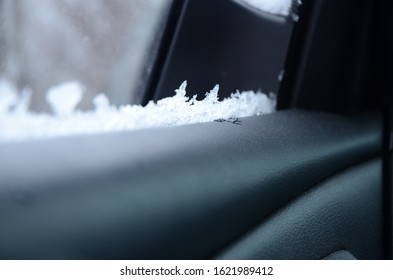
(178, 193)
(341, 215)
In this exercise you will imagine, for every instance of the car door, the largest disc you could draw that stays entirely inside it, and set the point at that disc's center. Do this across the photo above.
(310, 181)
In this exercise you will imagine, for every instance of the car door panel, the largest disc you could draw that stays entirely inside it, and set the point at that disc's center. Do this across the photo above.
(341, 214)
(189, 192)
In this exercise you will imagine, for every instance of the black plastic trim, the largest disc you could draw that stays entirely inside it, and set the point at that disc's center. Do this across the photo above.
(166, 44)
(299, 48)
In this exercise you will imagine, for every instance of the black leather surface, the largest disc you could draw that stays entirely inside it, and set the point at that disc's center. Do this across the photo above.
(184, 192)
(342, 214)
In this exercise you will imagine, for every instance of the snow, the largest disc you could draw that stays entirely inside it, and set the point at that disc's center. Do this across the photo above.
(64, 97)
(17, 123)
(276, 7)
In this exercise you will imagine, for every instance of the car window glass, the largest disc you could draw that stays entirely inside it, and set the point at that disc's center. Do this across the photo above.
(106, 46)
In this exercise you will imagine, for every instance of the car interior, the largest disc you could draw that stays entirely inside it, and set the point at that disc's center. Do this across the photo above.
(311, 181)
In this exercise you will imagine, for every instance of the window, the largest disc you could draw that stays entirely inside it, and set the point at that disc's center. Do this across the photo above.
(66, 53)
(107, 46)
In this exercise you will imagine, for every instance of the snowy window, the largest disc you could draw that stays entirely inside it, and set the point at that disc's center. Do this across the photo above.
(108, 46)
(71, 67)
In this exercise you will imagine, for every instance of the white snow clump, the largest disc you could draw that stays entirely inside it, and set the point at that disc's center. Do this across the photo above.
(17, 123)
(275, 7)
(64, 97)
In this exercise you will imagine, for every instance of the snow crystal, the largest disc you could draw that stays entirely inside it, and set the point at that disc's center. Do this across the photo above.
(17, 123)
(276, 7)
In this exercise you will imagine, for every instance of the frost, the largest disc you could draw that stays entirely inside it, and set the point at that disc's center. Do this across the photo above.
(276, 7)
(19, 124)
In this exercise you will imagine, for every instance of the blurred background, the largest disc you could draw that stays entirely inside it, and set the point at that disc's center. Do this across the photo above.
(108, 46)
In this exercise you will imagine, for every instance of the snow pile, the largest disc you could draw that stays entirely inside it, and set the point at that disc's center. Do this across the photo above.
(18, 124)
(275, 7)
